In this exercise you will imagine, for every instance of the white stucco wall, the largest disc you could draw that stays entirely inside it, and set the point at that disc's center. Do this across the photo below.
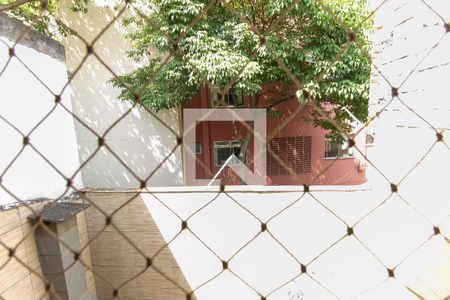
(308, 228)
(139, 139)
(24, 102)
(411, 50)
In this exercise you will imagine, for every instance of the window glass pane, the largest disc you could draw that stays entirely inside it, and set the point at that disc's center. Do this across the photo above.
(331, 149)
(215, 97)
(222, 154)
(334, 150)
(234, 99)
(370, 137)
(230, 99)
(224, 149)
(198, 148)
(236, 151)
(240, 100)
(344, 150)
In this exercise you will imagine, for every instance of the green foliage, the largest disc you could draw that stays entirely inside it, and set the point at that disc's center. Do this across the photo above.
(219, 48)
(41, 15)
(222, 47)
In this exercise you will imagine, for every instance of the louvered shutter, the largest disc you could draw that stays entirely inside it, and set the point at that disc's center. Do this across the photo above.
(293, 152)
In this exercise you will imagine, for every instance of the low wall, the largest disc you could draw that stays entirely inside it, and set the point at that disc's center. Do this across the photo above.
(332, 242)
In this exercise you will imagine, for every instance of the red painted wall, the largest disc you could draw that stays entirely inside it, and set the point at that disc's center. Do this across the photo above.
(343, 171)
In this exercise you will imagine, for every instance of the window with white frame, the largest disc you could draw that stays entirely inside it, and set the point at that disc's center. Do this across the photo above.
(224, 149)
(230, 99)
(337, 150)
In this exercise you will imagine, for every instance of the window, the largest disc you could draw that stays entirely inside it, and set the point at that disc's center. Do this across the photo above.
(294, 153)
(224, 149)
(230, 99)
(196, 148)
(370, 138)
(336, 150)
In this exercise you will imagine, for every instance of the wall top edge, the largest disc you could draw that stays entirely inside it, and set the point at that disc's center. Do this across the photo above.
(12, 29)
(233, 188)
(68, 198)
(59, 211)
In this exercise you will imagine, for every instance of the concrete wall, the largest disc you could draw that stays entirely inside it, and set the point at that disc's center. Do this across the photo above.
(302, 228)
(23, 280)
(313, 227)
(139, 139)
(25, 102)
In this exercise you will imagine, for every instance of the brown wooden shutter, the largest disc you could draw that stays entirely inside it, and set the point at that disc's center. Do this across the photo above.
(299, 154)
(272, 163)
(290, 154)
(282, 154)
(293, 152)
(307, 145)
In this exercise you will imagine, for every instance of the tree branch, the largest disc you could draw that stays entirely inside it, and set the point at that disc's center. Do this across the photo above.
(15, 4)
(281, 100)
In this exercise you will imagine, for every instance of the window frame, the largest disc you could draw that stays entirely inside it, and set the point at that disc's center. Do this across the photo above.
(349, 155)
(224, 144)
(215, 103)
(370, 135)
(193, 147)
(198, 149)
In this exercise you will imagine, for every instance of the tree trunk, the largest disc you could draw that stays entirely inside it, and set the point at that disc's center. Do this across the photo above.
(244, 147)
(248, 135)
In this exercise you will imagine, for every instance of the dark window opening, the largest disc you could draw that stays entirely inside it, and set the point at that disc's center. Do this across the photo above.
(198, 148)
(230, 99)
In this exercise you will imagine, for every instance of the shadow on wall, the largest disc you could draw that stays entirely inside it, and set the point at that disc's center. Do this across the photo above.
(138, 143)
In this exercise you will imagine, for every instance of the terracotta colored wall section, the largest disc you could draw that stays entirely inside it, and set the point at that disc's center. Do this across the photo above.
(343, 171)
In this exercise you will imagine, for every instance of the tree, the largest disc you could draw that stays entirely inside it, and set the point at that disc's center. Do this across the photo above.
(41, 14)
(224, 46)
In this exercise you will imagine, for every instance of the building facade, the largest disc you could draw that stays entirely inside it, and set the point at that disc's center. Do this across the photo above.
(305, 155)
